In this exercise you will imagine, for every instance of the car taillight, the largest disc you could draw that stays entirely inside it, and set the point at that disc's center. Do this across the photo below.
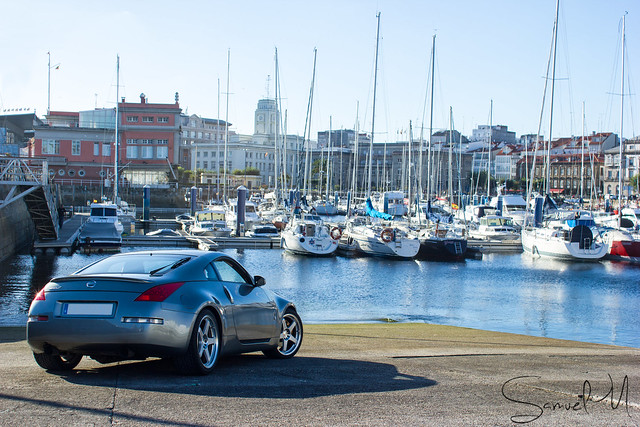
(159, 293)
(40, 295)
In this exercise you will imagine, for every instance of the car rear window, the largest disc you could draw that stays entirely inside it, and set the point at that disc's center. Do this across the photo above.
(133, 264)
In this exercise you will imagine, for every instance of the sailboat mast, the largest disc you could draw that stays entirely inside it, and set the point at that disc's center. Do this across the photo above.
(328, 154)
(621, 169)
(354, 179)
(217, 148)
(553, 84)
(450, 156)
(429, 171)
(226, 132)
(409, 176)
(307, 166)
(490, 142)
(275, 142)
(373, 117)
(582, 158)
(284, 155)
(115, 164)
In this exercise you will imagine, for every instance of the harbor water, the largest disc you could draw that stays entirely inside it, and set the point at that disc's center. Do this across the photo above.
(592, 302)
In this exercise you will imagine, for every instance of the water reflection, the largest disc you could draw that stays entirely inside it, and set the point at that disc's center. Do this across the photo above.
(595, 302)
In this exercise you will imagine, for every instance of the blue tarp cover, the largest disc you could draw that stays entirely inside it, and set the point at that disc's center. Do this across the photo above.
(374, 213)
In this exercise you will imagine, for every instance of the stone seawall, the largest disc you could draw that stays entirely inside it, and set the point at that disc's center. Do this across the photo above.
(16, 228)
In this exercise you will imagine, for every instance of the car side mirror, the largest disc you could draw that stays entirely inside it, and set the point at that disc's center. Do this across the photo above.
(259, 281)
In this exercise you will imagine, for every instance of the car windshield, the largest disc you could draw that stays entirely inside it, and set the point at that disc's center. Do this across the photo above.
(135, 264)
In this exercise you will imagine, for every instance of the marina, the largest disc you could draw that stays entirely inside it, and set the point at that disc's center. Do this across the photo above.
(506, 292)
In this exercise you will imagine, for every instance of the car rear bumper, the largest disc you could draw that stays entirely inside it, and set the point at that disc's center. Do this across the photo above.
(110, 336)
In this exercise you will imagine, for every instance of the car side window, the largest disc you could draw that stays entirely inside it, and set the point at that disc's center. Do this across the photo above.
(210, 273)
(228, 272)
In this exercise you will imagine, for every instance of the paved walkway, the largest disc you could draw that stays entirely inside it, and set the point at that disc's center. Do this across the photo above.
(374, 374)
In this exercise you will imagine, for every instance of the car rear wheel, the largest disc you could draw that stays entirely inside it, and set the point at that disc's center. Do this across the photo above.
(51, 362)
(204, 347)
(290, 337)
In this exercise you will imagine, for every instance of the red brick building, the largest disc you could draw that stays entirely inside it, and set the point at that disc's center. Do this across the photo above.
(80, 145)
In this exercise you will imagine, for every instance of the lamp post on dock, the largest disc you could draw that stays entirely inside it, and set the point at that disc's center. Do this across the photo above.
(49, 67)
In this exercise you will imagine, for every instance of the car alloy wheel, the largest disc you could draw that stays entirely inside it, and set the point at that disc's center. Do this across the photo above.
(290, 337)
(204, 346)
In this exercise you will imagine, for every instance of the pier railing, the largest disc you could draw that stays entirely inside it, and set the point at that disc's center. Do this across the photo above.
(23, 171)
(28, 179)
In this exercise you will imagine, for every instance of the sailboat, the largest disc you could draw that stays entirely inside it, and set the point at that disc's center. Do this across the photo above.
(623, 243)
(439, 238)
(376, 234)
(307, 234)
(569, 236)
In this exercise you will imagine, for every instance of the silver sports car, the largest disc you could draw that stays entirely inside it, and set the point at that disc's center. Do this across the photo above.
(189, 306)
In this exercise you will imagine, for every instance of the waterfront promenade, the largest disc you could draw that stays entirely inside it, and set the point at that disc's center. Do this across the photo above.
(356, 374)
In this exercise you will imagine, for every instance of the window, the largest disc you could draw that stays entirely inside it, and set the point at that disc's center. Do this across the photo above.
(205, 164)
(81, 172)
(132, 141)
(205, 154)
(106, 149)
(146, 152)
(163, 119)
(147, 119)
(228, 272)
(96, 148)
(50, 146)
(132, 119)
(163, 141)
(162, 152)
(132, 152)
(75, 148)
(146, 141)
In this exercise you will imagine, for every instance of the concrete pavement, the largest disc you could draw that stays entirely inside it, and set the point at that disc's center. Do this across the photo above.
(364, 374)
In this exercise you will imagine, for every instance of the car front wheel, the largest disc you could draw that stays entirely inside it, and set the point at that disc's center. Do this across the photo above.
(51, 362)
(290, 337)
(204, 347)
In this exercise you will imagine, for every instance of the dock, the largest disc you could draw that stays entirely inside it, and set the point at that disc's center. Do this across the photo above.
(487, 246)
(67, 237)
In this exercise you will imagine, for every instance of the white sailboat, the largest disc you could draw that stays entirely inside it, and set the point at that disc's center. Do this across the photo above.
(573, 238)
(374, 236)
(308, 235)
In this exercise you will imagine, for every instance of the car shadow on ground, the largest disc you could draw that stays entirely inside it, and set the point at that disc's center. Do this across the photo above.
(254, 376)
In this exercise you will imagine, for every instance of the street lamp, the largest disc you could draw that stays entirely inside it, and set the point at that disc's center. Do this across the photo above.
(56, 66)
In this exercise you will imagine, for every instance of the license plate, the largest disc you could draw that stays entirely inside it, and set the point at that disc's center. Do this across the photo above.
(88, 309)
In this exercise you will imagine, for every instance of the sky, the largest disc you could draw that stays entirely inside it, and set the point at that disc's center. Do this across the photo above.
(489, 50)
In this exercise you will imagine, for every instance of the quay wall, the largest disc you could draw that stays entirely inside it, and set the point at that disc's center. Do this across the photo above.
(16, 228)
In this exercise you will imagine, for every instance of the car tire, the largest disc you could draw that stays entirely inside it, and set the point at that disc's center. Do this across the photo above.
(204, 347)
(56, 362)
(290, 337)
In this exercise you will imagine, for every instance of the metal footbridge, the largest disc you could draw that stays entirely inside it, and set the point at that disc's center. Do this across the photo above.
(27, 178)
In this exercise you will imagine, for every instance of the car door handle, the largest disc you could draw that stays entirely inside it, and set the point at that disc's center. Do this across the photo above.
(226, 291)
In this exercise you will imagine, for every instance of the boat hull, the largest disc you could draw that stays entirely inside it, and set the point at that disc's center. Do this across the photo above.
(540, 242)
(304, 245)
(442, 249)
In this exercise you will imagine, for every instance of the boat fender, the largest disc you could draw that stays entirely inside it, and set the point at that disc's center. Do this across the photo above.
(336, 233)
(387, 235)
